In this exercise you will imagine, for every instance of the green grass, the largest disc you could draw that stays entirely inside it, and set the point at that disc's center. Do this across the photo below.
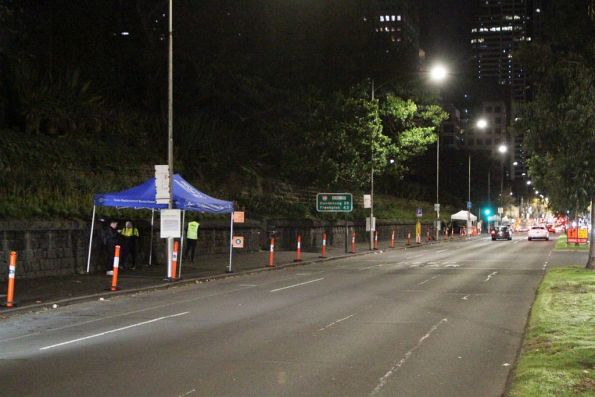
(562, 246)
(558, 354)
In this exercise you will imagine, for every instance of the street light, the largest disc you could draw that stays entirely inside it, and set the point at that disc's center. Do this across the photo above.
(438, 73)
(481, 124)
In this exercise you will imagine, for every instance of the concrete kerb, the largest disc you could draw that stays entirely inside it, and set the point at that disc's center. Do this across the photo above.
(182, 282)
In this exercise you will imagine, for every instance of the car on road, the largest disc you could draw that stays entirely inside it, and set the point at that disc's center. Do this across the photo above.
(502, 232)
(550, 228)
(538, 232)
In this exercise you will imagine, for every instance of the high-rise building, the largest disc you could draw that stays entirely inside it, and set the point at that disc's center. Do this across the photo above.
(396, 26)
(500, 27)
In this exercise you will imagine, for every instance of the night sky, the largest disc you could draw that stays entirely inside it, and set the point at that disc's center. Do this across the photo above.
(445, 30)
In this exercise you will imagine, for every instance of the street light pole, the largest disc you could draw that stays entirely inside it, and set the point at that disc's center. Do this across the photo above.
(468, 193)
(170, 133)
(437, 186)
(372, 181)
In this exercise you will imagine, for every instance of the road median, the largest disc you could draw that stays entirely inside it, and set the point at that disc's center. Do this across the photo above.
(558, 353)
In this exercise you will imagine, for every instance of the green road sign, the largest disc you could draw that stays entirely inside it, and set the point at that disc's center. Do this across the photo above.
(334, 202)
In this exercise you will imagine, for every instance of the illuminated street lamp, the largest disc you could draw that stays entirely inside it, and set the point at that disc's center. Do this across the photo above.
(438, 73)
(481, 123)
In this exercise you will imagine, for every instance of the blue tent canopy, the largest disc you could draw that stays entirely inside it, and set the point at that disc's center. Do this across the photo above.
(186, 197)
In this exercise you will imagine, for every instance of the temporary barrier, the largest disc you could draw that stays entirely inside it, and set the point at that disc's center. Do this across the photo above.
(298, 253)
(174, 262)
(376, 240)
(353, 246)
(323, 253)
(272, 252)
(11, 273)
(116, 266)
(392, 239)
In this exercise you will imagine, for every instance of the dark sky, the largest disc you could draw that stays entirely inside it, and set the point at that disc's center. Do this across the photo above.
(446, 29)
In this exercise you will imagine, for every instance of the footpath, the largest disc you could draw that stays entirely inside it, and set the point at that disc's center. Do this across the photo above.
(44, 293)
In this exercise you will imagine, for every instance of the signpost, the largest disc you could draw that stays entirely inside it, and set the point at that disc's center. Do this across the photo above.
(334, 202)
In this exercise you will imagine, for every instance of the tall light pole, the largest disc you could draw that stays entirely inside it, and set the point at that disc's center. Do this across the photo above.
(372, 226)
(170, 129)
(502, 149)
(438, 73)
(481, 124)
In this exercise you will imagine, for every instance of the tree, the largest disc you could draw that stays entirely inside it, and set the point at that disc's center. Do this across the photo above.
(559, 125)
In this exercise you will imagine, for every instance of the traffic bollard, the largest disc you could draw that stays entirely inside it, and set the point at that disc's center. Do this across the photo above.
(11, 274)
(353, 246)
(174, 262)
(392, 239)
(272, 252)
(408, 238)
(116, 266)
(376, 240)
(298, 253)
(323, 253)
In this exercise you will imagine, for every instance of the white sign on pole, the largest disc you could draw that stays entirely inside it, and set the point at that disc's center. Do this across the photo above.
(162, 184)
(171, 223)
(238, 242)
(500, 210)
(368, 224)
(238, 217)
(437, 207)
(367, 201)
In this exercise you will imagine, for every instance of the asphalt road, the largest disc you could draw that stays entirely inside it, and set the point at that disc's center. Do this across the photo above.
(439, 320)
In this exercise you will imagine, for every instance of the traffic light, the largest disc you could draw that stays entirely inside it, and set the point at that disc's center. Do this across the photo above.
(487, 211)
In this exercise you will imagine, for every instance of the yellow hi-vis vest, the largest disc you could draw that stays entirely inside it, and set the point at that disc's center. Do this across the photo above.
(130, 232)
(192, 233)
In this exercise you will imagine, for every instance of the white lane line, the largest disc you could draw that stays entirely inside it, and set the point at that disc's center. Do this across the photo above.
(466, 297)
(248, 285)
(399, 364)
(490, 276)
(441, 251)
(430, 279)
(297, 285)
(336, 322)
(112, 331)
(189, 392)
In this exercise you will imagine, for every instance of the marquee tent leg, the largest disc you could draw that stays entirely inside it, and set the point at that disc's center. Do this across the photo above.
(181, 253)
(151, 243)
(230, 242)
(91, 240)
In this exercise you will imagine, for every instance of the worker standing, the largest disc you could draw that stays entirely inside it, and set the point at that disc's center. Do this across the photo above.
(129, 237)
(191, 237)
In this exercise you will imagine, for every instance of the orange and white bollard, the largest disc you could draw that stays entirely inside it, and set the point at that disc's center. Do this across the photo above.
(445, 234)
(376, 240)
(428, 233)
(114, 286)
(11, 274)
(353, 246)
(298, 253)
(323, 253)
(174, 262)
(392, 239)
(452, 232)
(272, 252)
(408, 238)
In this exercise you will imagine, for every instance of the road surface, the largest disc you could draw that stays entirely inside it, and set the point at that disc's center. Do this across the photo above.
(439, 320)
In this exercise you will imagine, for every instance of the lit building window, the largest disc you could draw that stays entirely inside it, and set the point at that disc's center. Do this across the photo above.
(398, 17)
(381, 18)
(392, 18)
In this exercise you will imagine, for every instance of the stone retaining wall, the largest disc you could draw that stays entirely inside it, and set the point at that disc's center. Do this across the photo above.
(60, 248)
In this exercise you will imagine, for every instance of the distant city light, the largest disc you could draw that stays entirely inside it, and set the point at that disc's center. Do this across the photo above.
(528, 182)
(125, 33)
(515, 163)
(481, 123)
(502, 148)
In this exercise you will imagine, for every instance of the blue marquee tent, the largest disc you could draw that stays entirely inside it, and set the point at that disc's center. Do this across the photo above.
(185, 197)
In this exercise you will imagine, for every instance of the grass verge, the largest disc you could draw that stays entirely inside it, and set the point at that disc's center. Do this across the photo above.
(562, 246)
(558, 354)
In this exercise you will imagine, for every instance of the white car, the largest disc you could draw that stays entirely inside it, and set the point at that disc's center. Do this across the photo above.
(538, 232)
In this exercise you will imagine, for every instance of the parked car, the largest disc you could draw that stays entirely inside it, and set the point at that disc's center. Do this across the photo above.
(538, 232)
(502, 232)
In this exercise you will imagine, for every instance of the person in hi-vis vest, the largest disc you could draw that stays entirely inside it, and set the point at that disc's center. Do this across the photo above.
(191, 237)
